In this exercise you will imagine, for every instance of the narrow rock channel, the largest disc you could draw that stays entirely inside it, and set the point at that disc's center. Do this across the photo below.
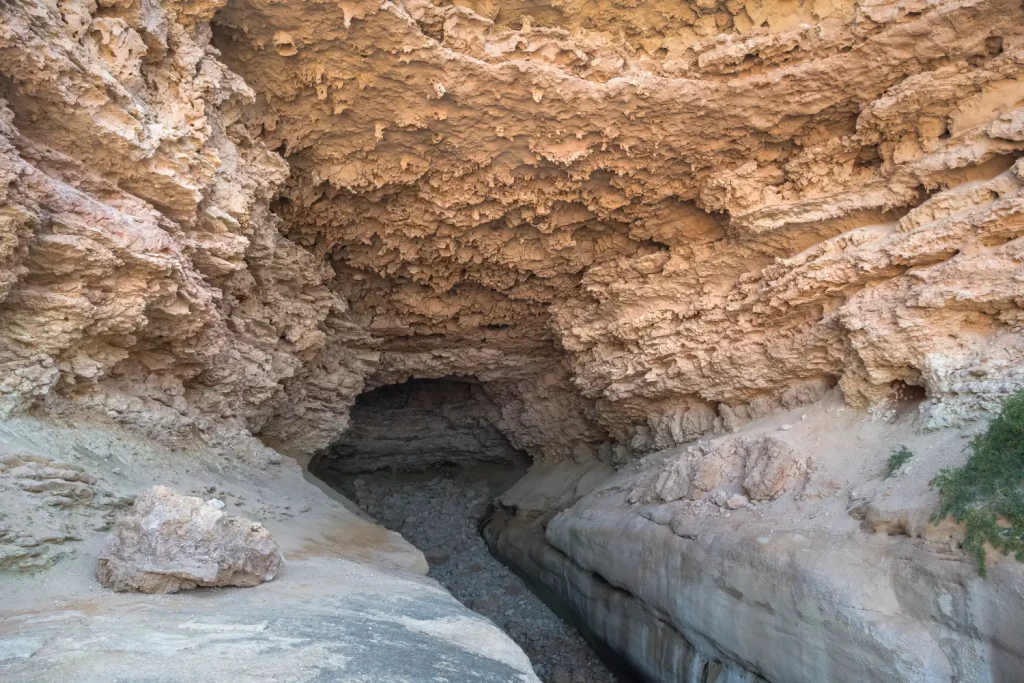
(439, 511)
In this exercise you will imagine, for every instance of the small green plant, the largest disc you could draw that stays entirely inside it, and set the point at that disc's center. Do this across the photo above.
(988, 492)
(897, 459)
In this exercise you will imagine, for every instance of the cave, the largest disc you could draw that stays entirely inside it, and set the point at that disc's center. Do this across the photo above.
(420, 424)
(498, 341)
(425, 458)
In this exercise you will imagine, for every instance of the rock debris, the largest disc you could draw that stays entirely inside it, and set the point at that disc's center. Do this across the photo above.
(440, 516)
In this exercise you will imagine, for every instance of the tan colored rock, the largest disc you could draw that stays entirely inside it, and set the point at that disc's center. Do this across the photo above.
(770, 468)
(169, 542)
(636, 227)
(715, 464)
(764, 467)
(736, 501)
(674, 482)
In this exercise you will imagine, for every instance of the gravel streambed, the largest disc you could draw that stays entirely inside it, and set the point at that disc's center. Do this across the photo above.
(439, 514)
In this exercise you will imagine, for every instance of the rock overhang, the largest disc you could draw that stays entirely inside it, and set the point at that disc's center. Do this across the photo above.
(684, 236)
(636, 227)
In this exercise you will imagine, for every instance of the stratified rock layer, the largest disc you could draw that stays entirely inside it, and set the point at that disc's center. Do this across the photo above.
(145, 277)
(841, 578)
(644, 226)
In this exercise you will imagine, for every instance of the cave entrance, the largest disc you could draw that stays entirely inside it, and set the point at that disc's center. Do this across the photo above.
(426, 458)
(419, 425)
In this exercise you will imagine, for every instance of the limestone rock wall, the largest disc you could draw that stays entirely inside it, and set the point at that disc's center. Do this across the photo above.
(830, 573)
(634, 226)
(144, 275)
(702, 213)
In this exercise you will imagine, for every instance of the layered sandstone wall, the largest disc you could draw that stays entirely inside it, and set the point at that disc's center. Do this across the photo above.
(699, 219)
(687, 567)
(145, 276)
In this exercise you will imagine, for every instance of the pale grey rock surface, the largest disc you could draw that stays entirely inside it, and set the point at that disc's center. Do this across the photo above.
(349, 604)
(324, 619)
(839, 579)
(171, 542)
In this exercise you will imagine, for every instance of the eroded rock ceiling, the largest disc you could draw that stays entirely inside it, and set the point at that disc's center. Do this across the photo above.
(634, 222)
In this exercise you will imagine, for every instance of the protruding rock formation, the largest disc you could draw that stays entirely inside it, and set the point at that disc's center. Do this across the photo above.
(762, 468)
(352, 605)
(631, 227)
(171, 542)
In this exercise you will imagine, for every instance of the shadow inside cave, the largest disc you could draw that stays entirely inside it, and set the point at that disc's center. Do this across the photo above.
(426, 458)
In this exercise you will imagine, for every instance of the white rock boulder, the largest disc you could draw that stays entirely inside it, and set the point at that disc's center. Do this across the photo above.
(170, 542)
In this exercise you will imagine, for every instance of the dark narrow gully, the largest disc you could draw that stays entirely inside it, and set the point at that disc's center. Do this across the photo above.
(424, 458)
(439, 510)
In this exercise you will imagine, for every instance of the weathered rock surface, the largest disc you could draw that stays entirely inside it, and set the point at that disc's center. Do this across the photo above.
(351, 603)
(806, 588)
(47, 504)
(337, 620)
(633, 228)
(145, 277)
(169, 542)
(652, 225)
(638, 226)
(762, 467)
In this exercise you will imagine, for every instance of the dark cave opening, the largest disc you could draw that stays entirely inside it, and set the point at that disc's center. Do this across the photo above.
(420, 424)
(426, 458)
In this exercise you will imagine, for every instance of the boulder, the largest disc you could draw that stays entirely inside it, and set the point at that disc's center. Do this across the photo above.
(169, 542)
(772, 467)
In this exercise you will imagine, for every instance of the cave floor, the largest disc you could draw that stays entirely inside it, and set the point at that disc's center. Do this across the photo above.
(439, 511)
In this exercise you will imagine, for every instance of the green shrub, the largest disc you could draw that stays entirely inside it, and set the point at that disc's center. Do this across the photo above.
(988, 492)
(897, 459)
